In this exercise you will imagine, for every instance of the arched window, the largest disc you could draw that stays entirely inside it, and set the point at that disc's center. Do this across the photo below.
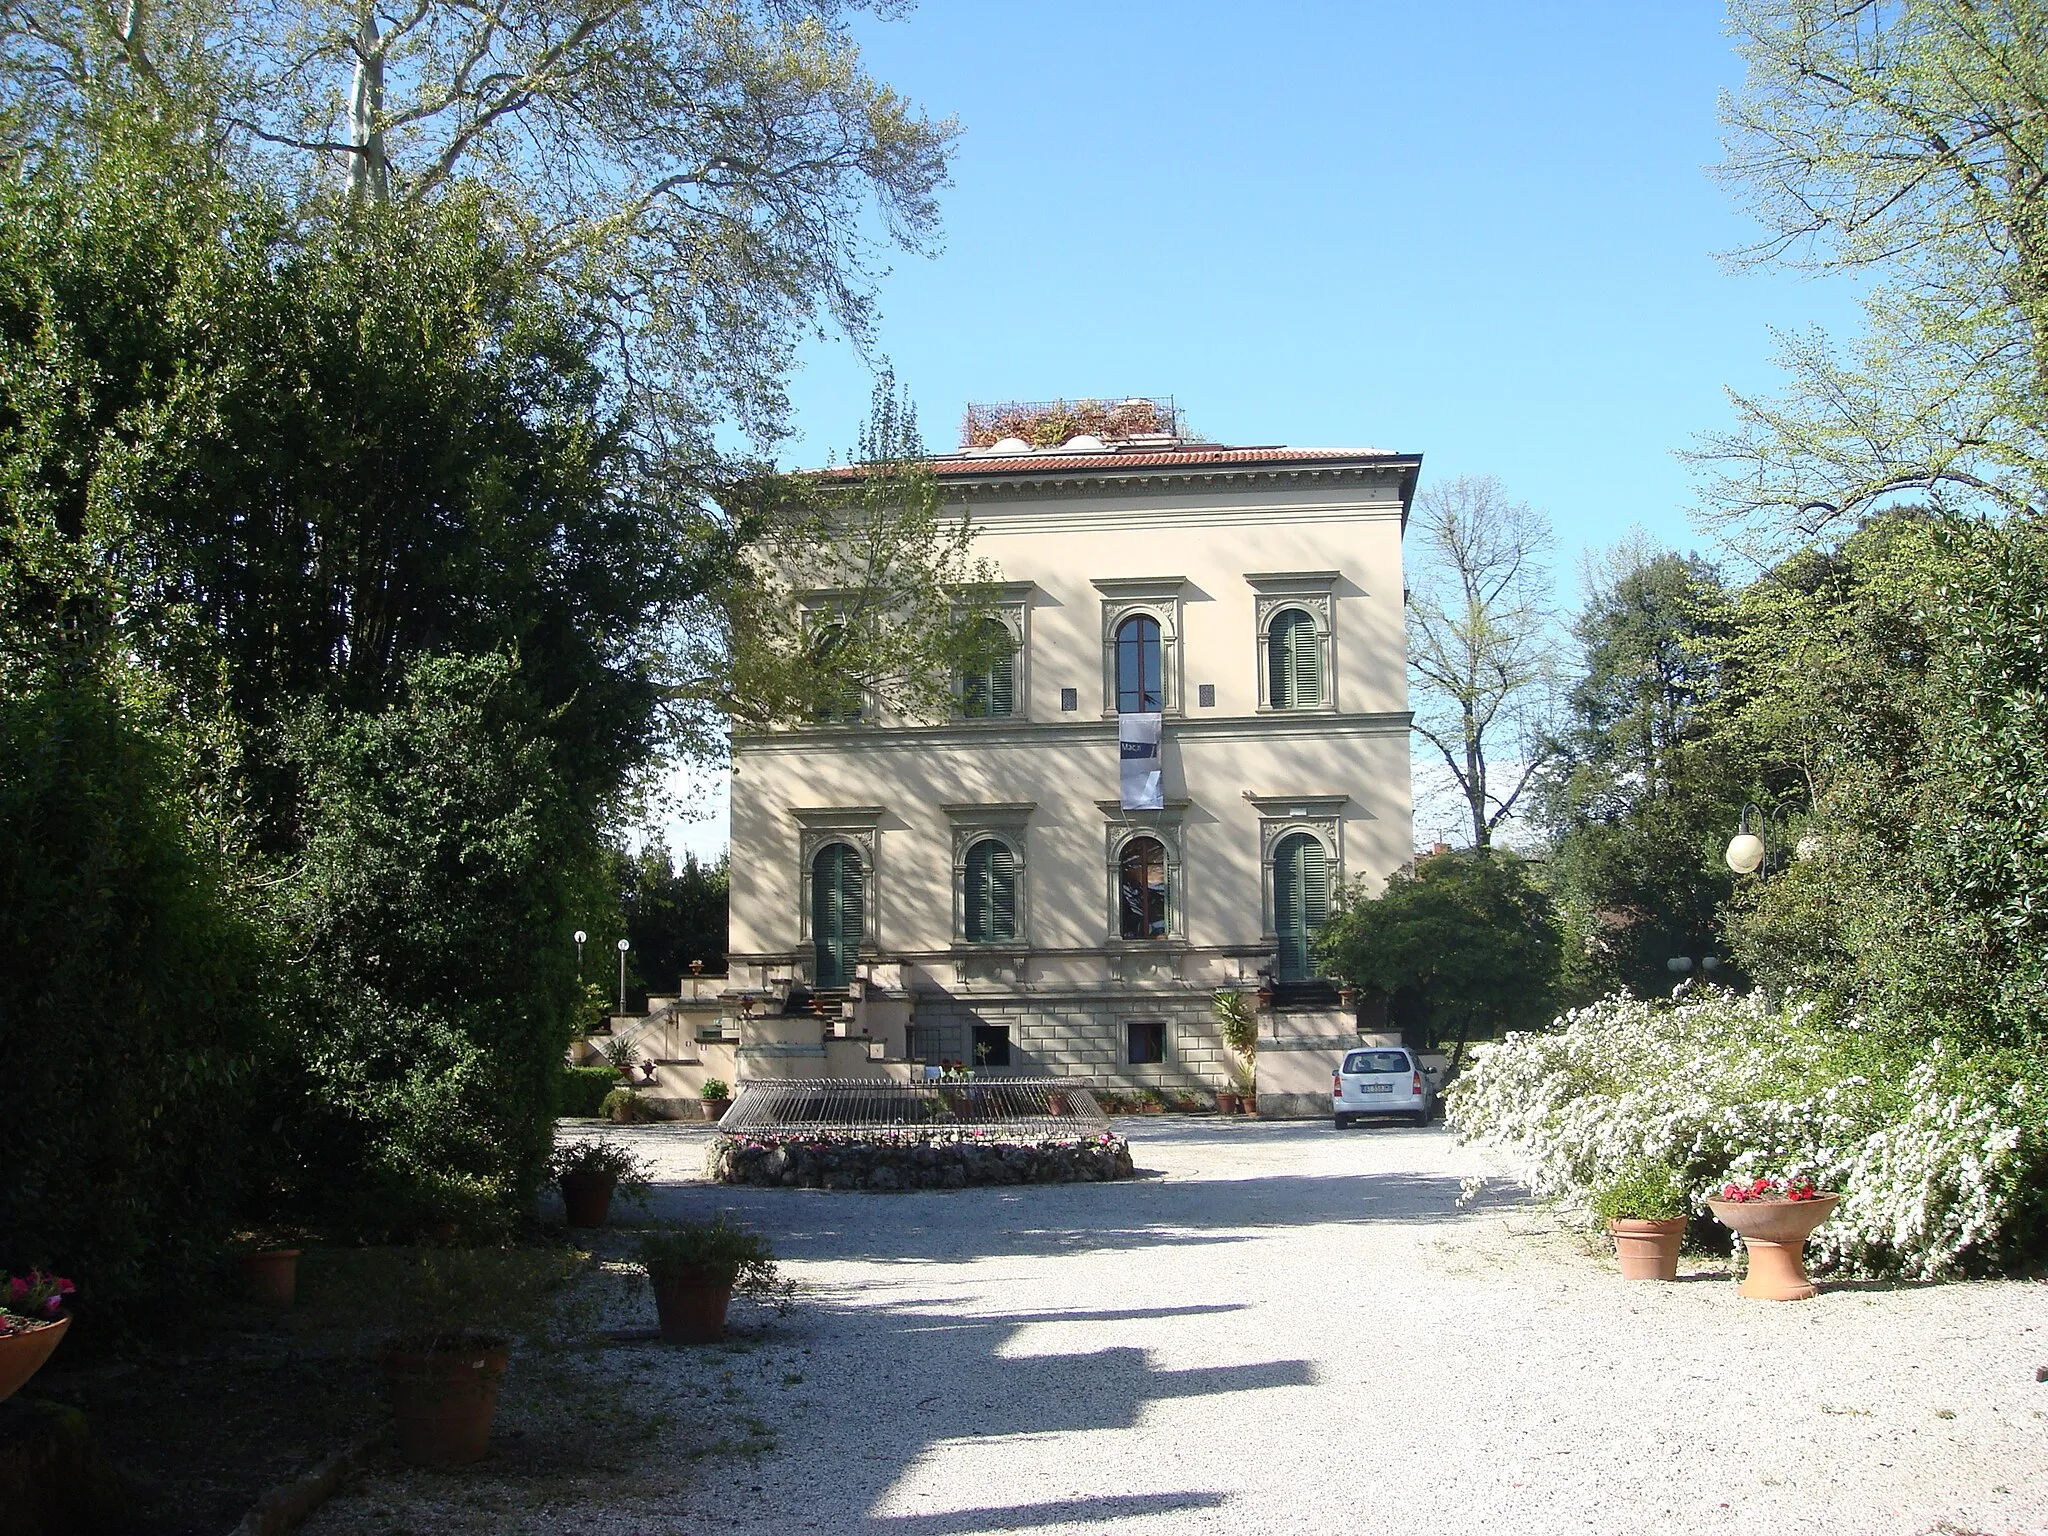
(1301, 901)
(989, 692)
(990, 900)
(1294, 661)
(1138, 675)
(836, 896)
(1141, 889)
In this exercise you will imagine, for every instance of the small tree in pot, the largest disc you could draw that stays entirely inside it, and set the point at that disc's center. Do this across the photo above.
(589, 1173)
(716, 1098)
(696, 1267)
(461, 1309)
(1239, 1021)
(1645, 1205)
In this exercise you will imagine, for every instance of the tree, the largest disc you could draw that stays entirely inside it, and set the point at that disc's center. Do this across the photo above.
(1637, 798)
(431, 995)
(673, 915)
(854, 586)
(1479, 643)
(700, 180)
(1460, 943)
(1903, 140)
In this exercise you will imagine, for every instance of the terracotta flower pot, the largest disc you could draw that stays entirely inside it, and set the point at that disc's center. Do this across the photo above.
(1647, 1249)
(1228, 1102)
(23, 1354)
(1775, 1233)
(270, 1277)
(691, 1304)
(587, 1198)
(1248, 1103)
(444, 1401)
(714, 1109)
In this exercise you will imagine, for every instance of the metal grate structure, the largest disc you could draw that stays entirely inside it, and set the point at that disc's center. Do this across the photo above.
(1012, 1108)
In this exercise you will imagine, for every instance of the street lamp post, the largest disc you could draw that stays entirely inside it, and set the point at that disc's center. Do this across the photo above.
(580, 937)
(624, 945)
(1746, 850)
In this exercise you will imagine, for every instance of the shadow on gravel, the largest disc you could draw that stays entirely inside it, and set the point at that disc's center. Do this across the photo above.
(958, 1377)
(1031, 1517)
(951, 1226)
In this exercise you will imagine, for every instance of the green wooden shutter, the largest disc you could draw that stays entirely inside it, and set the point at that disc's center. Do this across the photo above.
(1002, 686)
(1294, 662)
(1002, 883)
(836, 913)
(991, 895)
(1301, 902)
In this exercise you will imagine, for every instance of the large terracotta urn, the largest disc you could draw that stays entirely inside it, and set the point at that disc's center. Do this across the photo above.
(22, 1354)
(1775, 1233)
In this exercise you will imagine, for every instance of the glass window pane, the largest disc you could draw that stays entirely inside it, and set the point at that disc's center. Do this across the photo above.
(1138, 663)
(1141, 890)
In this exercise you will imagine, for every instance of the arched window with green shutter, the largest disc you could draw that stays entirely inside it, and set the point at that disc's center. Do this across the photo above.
(836, 895)
(1301, 901)
(1294, 661)
(990, 897)
(990, 692)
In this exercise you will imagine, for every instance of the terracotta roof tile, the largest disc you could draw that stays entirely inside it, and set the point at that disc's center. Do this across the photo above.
(1054, 462)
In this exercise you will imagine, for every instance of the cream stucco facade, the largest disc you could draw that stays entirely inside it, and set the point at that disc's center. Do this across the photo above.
(1213, 546)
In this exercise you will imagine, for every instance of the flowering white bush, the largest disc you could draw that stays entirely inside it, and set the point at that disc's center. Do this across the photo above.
(1940, 1161)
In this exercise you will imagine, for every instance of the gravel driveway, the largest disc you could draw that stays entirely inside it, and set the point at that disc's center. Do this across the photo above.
(1287, 1329)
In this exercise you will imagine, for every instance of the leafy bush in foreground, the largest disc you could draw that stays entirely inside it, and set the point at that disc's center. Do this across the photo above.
(1942, 1159)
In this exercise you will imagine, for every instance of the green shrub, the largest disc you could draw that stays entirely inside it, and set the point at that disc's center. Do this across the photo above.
(1642, 1189)
(1941, 1159)
(715, 1088)
(625, 1106)
(129, 1007)
(584, 1090)
(716, 1249)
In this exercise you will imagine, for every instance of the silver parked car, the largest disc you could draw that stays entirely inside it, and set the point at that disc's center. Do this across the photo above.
(1389, 1080)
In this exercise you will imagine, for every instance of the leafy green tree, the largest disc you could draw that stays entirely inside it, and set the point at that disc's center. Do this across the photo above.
(1916, 902)
(700, 182)
(432, 996)
(1638, 799)
(1462, 944)
(1902, 142)
(674, 914)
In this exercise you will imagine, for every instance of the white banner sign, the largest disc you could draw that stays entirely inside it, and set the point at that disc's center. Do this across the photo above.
(1137, 767)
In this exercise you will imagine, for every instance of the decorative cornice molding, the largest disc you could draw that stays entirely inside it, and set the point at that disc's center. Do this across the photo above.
(884, 738)
(1308, 805)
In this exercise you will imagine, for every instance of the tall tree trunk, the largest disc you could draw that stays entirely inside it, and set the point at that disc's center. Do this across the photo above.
(369, 173)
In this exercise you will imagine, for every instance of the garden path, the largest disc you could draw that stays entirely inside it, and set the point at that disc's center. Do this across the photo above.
(1286, 1329)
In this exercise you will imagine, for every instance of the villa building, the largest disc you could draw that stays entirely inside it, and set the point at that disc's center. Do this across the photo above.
(981, 888)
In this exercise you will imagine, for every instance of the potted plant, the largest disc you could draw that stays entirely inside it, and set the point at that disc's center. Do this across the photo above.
(1774, 1219)
(32, 1325)
(1645, 1205)
(714, 1099)
(444, 1366)
(1149, 1102)
(269, 1272)
(695, 1268)
(1239, 1021)
(624, 1106)
(589, 1173)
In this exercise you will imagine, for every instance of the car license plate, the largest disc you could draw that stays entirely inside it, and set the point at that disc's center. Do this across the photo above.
(1377, 1087)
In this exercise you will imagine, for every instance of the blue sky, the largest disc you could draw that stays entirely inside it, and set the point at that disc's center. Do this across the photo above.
(1484, 232)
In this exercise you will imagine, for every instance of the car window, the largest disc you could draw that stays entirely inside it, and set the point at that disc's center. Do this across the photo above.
(1375, 1061)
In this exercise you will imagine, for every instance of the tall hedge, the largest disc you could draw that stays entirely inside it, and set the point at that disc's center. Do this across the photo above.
(128, 1006)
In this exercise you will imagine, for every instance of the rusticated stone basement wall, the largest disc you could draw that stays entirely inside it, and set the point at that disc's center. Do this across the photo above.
(913, 1160)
